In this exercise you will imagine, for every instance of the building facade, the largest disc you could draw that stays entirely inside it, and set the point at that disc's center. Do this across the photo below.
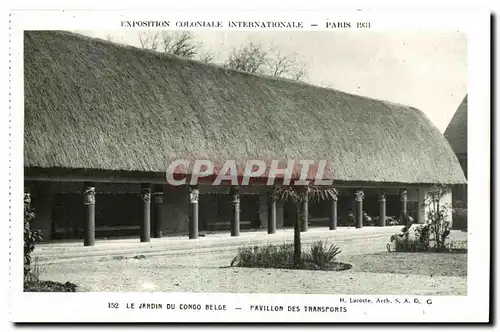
(103, 121)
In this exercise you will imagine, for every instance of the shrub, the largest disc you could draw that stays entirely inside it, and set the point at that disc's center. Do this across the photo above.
(400, 241)
(30, 236)
(422, 233)
(348, 221)
(268, 256)
(389, 221)
(437, 216)
(458, 246)
(419, 241)
(404, 244)
(49, 286)
(319, 257)
(32, 282)
(33, 273)
(367, 220)
(435, 231)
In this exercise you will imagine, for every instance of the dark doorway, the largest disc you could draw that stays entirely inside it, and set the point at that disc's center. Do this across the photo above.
(216, 212)
(115, 215)
(319, 212)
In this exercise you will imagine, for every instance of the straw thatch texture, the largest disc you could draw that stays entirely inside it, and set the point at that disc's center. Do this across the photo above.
(456, 132)
(90, 104)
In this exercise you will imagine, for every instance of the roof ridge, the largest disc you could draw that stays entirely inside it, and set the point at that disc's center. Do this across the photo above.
(227, 69)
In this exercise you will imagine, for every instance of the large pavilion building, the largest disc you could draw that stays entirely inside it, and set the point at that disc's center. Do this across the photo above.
(103, 120)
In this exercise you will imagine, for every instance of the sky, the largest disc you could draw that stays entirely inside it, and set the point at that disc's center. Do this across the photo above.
(423, 69)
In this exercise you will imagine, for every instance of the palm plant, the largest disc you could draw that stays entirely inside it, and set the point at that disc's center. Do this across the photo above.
(438, 216)
(299, 195)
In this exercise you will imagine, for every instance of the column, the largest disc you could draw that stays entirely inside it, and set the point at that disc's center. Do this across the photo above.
(146, 218)
(193, 217)
(89, 215)
(382, 201)
(333, 213)
(353, 203)
(305, 210)
(271, 215)
(157, 211)
(235, 222)
(358, 198)
(404, 205)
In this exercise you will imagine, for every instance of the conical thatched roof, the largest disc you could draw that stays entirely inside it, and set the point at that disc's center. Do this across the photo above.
(456, 132)
(91, 104)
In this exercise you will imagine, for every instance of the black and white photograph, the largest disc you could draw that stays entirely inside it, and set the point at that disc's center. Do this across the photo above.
(248, 157)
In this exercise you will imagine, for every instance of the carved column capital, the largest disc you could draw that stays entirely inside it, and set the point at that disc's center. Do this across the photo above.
(381, 197)
(89, 196)
(236, 194)
(146, 195)
(359, 195)
(194, 195)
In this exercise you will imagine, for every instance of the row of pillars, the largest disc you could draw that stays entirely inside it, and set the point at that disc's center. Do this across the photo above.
(358, 210)
(145, 226)
(235, 220)
(304, 210)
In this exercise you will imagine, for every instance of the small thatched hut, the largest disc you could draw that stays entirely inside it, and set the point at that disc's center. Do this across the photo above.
(102, 120)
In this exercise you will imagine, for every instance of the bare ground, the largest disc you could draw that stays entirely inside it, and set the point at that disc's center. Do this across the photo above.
(426, 264)
(374, 272)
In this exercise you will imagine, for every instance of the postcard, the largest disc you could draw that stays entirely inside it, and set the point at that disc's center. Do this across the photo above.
(249, 166)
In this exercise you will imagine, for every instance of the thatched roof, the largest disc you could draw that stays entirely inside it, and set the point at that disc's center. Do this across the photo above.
(456, 132)
(91, 104)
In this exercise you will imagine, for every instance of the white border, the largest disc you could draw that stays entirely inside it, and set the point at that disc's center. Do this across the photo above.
(92, 306)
